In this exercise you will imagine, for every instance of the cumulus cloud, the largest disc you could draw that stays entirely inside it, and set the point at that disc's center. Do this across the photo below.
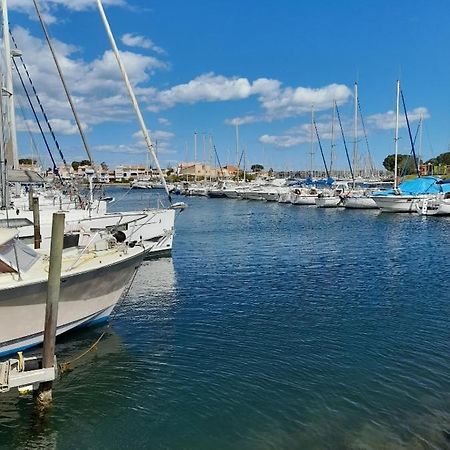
(276, 101)
(386, 121)
(135, 40)
(96, 86)
(50, 7)
(164, 121)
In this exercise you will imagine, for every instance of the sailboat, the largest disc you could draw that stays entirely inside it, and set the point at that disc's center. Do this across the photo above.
(156, 226)
(357, 198)
(97, 266)
(404, 196)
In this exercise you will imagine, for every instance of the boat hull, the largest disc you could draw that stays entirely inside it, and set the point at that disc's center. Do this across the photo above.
(396, 203)
(328, 202)
(86, 298)
(360, 203)
(303, 199)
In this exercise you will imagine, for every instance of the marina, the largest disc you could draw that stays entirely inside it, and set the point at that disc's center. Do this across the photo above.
(266, 329)
(218, 237)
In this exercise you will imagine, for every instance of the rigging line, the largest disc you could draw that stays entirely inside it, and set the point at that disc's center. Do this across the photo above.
(410, 135)
(66, 90)
(33, 141)
(365, 137)
(39, 102)
(321, 150)
(406, 166)
(345, 143)
(55, 168)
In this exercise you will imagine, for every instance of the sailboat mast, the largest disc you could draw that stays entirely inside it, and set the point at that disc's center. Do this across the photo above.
(63, 81)
(14, 162)
(237, 150)
(355, 133)
(311, 153)
(195, 156)
(332, 140)
(132, 96)
(397, 110)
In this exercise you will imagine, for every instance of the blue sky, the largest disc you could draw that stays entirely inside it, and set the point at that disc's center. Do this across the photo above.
(202, 65)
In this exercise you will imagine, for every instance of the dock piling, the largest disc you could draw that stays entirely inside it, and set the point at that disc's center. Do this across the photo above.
(37, 223)
(43, 396)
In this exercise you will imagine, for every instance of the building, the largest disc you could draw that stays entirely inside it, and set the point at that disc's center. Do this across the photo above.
(197, 170)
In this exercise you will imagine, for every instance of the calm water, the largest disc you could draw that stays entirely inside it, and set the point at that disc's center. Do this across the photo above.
(272, 327)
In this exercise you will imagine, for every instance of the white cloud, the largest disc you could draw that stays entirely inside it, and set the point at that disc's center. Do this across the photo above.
(164, 121)
(276, 102)
(386, 121)
(161, 139)
(49, 7)
(96, 86)
(135, 40)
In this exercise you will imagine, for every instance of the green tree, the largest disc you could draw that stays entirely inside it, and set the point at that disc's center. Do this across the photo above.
(28, 161)
(403, 161)
(443, 158)
(85, 162)
(256, 168)
(75, 165)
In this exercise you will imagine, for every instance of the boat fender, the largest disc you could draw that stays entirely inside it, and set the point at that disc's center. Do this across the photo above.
(120, 236)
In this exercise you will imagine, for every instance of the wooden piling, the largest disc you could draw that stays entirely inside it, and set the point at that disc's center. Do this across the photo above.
(43, 396)
(30, 198)
(37, 223)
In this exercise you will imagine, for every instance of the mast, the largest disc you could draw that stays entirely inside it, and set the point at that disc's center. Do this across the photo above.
(311, 152)
(355, 133)
(332, 155)
(3, 169)
(132, 96)
(397, 109)
(237, 150)
(195, 156)
(12, 159)
(66, 89)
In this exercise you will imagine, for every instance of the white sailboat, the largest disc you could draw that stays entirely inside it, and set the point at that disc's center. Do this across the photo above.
(95, 273)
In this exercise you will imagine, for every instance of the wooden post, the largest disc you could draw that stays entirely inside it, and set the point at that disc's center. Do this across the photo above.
(30, 199)
(43, 396)
(37, 223)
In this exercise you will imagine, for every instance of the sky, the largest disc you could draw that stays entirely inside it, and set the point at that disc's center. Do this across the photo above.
(203, 66)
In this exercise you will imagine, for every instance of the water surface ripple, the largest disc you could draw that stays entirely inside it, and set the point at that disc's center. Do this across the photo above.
(272, 327)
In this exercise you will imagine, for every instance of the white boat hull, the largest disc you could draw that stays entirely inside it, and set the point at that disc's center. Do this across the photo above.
(328, 202)
(396, 203)
(86, 297)
(433, 207)
(360, 203)
(303, 199)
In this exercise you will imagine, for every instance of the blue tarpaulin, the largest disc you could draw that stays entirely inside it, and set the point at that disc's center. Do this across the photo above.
(419, 186)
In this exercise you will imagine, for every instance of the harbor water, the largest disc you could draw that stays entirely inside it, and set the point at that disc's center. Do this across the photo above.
(273, 326)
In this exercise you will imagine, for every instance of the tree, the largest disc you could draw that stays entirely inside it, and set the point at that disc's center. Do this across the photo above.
(75, 165)
(257, 168)
(27, 161)
(404, 161)
(443, 158)
(104, 166)
(85, 162)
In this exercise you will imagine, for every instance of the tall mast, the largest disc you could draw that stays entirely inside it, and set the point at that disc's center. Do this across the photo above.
(132, 96)
(195, 156)
(420, 137)
(355, 133)
(12, 158)
(66, 89)
(332, 139)
(311, 152)
(397, 109)
(237, 150)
